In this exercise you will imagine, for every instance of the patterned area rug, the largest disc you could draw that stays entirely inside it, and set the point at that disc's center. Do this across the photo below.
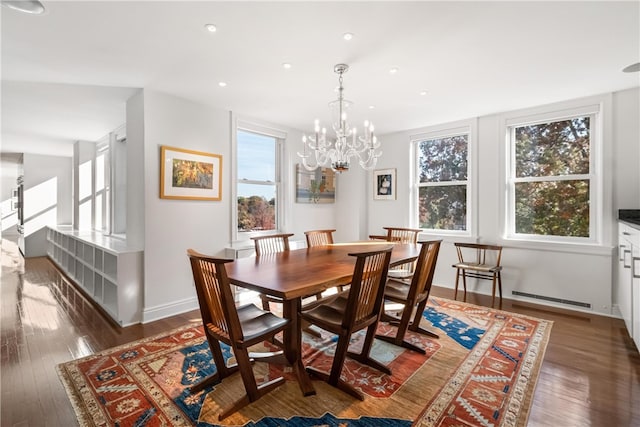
(482, 371)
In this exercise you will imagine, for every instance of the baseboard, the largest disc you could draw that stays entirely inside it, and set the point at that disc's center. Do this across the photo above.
(167, 310)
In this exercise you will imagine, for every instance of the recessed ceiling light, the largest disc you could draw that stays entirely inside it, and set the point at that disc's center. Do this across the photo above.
(286, 65)
(222, 84)
(347, 36)
(393, 70)
(372, 107)
(633, 68)
(423, 93)
(26, 6)
(211, 28)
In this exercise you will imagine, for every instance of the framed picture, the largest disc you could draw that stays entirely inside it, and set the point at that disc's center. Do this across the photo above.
(384, 184)
(190, 175)
(317, 186)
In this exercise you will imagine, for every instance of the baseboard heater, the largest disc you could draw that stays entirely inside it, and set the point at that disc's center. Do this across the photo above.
(558, 300)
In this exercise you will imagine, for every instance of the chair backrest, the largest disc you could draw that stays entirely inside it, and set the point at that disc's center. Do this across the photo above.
(217, 305)
(402, 235)
(425, 269)
(367, 286)
(272, 243)
(319, 237)
(483, 254)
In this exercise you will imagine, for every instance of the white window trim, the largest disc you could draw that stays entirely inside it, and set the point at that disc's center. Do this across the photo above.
(280, 135)
(599, 241)
(470, 128)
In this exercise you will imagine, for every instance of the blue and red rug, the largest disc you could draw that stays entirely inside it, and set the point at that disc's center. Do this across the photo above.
(481, 371)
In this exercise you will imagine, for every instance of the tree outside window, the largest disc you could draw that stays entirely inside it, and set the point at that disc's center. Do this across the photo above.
(551, 178)
(443, 182)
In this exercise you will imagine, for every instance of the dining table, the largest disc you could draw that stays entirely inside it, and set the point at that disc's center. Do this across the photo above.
(298, 273)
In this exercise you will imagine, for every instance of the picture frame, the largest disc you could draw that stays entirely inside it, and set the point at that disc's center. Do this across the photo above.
(190, 175)
(317, 186)
(384, 184)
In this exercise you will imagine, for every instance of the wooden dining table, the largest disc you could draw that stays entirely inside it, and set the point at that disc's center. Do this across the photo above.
(295, 274)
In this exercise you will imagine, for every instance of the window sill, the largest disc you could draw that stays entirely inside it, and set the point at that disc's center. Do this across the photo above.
(575, 248)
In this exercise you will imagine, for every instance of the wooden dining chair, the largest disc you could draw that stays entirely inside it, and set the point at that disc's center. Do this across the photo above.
(319, 237)
(479, 261)
(239, 328)
(351, 311)
(400, 235)
(413, 296)
(270, 244)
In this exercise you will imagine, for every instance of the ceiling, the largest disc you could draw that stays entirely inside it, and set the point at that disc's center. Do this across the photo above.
(66, 74)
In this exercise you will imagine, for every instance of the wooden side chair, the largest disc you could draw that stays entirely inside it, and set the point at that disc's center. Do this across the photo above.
(319, 237)
(481, 262)
(353, 310)
(240, 328)
(400, 235)
(270, 244)
(413, 296)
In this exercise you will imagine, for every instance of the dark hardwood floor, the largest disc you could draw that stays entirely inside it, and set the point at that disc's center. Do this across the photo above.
(590, 375)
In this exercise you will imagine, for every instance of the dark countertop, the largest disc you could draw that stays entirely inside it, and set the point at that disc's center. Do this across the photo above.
(631, 216)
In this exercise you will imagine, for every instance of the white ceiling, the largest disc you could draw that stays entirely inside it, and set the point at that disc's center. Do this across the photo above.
(66, 74)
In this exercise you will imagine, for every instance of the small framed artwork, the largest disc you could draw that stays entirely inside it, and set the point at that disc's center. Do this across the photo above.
(190, 175)
(384, 182)
(316, 186)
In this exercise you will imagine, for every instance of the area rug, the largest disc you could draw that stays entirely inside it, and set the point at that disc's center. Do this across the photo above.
(482, 371)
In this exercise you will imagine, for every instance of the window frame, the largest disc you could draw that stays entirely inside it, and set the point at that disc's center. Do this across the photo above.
(596, 176)
(469, 128)
(280, 137)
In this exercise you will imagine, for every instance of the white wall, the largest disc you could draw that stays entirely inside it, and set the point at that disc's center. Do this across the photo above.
(173, 226)
(558, 272)
(10, 169)
(47, 198)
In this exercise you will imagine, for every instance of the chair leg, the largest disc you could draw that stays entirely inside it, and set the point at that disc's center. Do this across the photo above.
(253, 390)
(404, 324)
(455, 295)
(222, 370)
(500, 287)
(415, 325)
(464, 284)
(364, 356)
(493, 290)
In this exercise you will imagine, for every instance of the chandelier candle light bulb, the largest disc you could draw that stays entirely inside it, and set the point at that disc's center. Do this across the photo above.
(338, 153)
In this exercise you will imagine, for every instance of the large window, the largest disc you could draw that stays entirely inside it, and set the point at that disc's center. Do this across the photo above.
(552, 179)
(258, 182)
(443, 182)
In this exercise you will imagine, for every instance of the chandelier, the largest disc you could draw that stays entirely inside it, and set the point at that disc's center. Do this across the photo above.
(337, 153)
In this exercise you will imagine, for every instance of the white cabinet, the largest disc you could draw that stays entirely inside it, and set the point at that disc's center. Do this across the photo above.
(629, 278)
(104, 268)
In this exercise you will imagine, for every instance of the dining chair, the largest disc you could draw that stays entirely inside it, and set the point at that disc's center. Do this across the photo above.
(480, 261)
(400, 235)
(319, 237)
(270, 244)
(239, 328)
(351, 311)
(413, 296)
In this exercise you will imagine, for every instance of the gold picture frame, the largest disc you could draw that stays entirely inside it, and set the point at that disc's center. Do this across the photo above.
(190, 175)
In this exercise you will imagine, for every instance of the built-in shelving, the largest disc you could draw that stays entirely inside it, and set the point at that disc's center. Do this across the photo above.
(105, 268)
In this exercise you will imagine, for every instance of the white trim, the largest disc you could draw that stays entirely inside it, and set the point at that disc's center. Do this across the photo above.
(167, 310)
(599, 109)
(465, 127)
(280, 137)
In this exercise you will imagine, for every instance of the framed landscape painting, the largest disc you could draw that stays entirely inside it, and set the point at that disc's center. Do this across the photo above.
(384, 184)
(190, 175)
(317, 186)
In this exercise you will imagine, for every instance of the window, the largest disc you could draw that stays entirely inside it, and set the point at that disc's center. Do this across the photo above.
(258, 182)
(552, 182)
(443, 195)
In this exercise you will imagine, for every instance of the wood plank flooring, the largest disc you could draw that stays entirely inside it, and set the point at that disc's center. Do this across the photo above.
(590, 375)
